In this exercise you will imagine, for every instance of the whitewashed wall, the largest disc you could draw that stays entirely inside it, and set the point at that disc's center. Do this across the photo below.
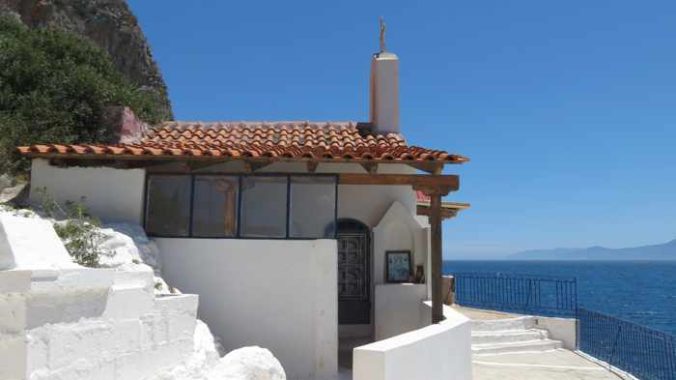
(278, 294)
(111, 194)
(563, 329)
(398, 229)
(435, 352)
(397, 308)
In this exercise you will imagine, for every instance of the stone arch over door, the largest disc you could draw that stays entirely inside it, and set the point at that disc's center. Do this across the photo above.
(354, 272)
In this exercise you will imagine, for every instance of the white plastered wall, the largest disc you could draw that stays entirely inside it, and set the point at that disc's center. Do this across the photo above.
(278, 294)
(396, 305)
(110, 194)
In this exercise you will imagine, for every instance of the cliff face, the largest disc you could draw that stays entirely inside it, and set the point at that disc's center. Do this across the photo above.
(110, 24)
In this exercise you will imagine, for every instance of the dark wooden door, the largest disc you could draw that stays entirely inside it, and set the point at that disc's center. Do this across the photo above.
(354, 280)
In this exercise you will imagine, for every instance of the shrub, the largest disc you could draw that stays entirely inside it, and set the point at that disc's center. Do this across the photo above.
(55, 86)
(79, 231)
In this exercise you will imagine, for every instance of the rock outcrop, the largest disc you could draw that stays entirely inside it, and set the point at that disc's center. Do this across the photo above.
(248, 363)
(110, 24)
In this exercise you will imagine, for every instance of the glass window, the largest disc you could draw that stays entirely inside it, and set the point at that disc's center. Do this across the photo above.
(313, 207)
(215, 206)
(168, 205)
(263, 212)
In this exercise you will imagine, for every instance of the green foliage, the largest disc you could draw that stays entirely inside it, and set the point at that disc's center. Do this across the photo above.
(79, 232)
(54, 87)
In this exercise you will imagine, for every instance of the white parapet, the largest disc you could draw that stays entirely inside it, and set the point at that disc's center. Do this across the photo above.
(435, 352)
(397, 308)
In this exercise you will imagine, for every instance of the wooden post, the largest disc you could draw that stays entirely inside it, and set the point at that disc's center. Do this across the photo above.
(435, 224)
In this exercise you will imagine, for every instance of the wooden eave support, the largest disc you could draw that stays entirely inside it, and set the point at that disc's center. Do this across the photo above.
(312, 166)
(251, 166)
(448, 209)
(370, 167)
(445, 212)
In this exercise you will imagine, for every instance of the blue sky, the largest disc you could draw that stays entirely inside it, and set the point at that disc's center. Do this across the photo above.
(567, 109)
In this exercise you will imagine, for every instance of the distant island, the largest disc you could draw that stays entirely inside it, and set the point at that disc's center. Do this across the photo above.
(666, 251)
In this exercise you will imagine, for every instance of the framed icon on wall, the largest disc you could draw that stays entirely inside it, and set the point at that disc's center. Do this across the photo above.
(399, 266)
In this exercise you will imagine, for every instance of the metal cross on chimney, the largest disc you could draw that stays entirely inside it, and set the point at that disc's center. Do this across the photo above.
(382, 34)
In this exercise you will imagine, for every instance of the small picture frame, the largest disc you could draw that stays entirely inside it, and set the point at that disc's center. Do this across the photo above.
(399, 267)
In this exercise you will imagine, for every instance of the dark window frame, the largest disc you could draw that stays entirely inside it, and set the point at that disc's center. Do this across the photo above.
(239, 177)
(192, 205)
(146, 191)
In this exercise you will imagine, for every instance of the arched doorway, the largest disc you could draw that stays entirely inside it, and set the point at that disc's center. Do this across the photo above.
(354, 272)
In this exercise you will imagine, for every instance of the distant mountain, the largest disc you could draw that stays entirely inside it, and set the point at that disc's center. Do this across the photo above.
(666, 251)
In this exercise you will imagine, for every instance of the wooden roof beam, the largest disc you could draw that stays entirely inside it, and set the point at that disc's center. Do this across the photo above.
(429, 184)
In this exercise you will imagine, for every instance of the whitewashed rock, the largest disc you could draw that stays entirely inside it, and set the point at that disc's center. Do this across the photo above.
(204, 357)
(12, 193)
(126, 247)
(117, 249)
(31, 243)
(248, 363)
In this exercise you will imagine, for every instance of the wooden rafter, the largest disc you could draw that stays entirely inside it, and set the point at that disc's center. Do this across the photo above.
(448, 209)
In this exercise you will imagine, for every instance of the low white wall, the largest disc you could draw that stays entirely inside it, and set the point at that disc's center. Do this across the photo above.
(111, 194)
(397, 308)
(563, 329)
(440, 351)
(278, 294)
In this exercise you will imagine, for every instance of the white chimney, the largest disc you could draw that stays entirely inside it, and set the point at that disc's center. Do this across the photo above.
(384, 89)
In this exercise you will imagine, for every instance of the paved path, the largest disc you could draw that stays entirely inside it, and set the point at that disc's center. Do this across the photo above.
(558, 364)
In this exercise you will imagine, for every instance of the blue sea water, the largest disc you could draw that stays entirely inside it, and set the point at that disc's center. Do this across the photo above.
(638, 291)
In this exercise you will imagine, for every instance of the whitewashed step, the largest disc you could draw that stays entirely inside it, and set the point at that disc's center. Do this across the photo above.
(518, 323)
(512, 347)
(128, 301)
(505, 336)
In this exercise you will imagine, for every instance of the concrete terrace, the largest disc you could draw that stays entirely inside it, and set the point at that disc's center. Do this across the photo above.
(559, 364)
(534, 364)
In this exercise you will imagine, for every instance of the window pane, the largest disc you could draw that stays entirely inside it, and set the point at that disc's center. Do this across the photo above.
(263, 207)
(215, 206)
(313, 207)
(168, 205)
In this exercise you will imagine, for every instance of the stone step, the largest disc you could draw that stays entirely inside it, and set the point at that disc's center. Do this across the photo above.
(518, 323)
(487, 337)
(513, 347)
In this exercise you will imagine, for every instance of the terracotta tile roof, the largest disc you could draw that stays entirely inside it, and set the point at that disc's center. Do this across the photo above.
(292, 140)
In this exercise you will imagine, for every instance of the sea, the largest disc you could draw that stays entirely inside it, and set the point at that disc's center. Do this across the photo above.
(642, 292)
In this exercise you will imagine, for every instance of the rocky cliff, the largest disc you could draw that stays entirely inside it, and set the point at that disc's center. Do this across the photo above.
(110, 24)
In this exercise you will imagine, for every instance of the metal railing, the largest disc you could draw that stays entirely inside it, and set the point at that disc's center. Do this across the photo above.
(645, 353)
(541, 295)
